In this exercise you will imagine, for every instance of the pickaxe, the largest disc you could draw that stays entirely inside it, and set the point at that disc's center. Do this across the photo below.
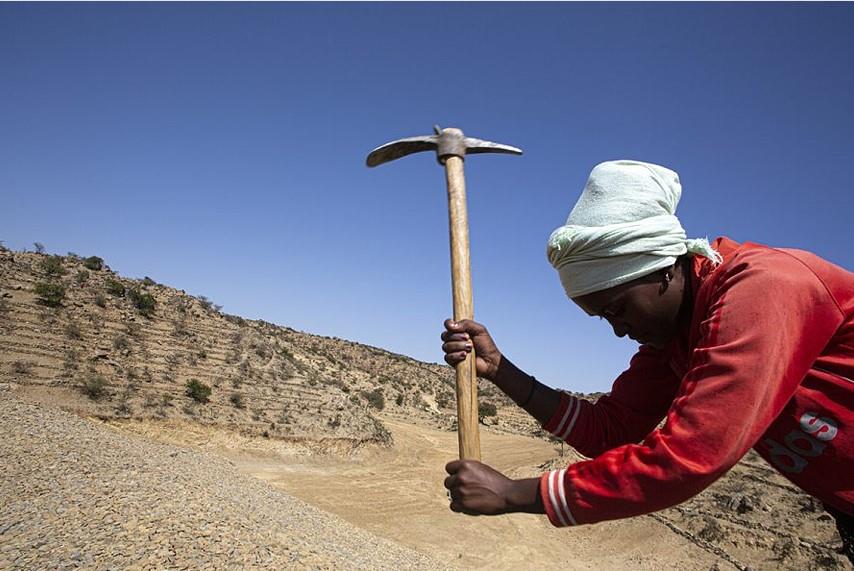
(451, 147)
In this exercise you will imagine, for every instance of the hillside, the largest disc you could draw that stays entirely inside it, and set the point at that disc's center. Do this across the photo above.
(114, 347)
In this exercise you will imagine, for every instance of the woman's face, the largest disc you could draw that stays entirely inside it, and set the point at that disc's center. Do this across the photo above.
(645, 309)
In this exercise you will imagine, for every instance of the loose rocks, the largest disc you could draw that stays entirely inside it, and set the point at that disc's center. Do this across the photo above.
(77, 495)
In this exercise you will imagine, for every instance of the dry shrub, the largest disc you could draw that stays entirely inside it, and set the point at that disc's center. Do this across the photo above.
(94, 386)
(198, 391)
(93, 263)
(72, 331)
(49, 294)
(22, 367)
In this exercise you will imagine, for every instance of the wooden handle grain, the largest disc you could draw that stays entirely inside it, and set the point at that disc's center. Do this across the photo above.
(467, 410)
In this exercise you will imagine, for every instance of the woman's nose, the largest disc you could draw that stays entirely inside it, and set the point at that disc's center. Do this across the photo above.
(620, 329)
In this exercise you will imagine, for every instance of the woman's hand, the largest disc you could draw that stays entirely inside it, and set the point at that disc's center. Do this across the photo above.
(461, 336)
(477, 489)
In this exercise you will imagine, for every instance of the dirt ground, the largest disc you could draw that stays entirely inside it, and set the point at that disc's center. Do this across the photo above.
(397, 494)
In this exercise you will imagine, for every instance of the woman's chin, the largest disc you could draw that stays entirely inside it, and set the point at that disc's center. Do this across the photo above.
(655, 343)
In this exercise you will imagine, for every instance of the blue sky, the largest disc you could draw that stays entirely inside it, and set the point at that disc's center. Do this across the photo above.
(219, 149)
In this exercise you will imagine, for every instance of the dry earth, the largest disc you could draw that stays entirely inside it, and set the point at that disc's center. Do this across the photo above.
(750, 519)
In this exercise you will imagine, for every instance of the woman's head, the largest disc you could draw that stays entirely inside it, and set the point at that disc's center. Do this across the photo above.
(620, 245)
(645, 309)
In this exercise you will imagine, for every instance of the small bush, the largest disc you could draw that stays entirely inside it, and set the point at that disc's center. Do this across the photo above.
(124, 408)
(237, 400)
(375, 398)
(72, 331)
(71, 359)
(22, 367)
(39, 247)
(93, 263)
(52, 266)
(486, 409)
(143, 302)
(114, 287)
(81, 277)
(198, 391)
(147, 281)
(101, 300)
(339, 383)
(49, 294)
(399, 399)
(94, 386)
(236, 319)
(121, 343)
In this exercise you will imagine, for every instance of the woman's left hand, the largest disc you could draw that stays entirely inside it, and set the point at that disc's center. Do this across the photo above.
(477, 489)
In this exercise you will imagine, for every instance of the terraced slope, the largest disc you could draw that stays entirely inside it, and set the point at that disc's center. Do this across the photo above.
(264, 379)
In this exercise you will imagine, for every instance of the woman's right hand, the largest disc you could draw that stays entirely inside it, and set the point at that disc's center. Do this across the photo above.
(461, 336)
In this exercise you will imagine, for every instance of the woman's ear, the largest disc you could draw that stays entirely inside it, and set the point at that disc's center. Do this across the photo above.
(666, 278)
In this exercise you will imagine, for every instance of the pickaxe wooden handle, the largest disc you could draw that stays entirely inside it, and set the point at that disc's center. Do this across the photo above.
(451, 146)
(467, 409)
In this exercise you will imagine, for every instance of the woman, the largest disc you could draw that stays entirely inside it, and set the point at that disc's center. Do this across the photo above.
(741, 346)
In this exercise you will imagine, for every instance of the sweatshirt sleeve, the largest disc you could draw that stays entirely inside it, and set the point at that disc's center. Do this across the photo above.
(637, 402)
(768, 318)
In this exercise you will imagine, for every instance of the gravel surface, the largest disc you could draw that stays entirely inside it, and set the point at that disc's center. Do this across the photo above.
(77, 495)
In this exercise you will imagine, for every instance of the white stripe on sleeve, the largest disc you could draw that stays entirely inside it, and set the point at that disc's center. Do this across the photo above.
(553, 499)
(565, 434)
(562, 422)
(562, 490)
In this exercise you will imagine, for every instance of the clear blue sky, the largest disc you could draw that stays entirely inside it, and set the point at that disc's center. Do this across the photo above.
(219, 149)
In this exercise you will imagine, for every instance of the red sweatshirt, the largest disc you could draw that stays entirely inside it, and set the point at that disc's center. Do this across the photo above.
(767, 362)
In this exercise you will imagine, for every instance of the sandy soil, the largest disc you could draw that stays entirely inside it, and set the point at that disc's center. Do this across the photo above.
(398, 494)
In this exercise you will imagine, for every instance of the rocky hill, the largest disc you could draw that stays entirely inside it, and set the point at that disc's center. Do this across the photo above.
(75, 334)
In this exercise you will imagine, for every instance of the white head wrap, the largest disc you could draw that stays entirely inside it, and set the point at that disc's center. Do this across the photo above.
(622, 228)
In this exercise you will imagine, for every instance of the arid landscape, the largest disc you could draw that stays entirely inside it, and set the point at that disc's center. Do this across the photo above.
(146, 429)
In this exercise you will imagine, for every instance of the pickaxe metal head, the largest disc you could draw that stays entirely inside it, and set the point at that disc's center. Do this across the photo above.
(446, 143)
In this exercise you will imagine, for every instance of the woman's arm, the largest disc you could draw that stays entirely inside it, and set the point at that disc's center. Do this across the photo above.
(637, 403)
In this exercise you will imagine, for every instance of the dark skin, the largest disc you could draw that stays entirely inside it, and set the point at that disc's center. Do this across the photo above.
(648, 310)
